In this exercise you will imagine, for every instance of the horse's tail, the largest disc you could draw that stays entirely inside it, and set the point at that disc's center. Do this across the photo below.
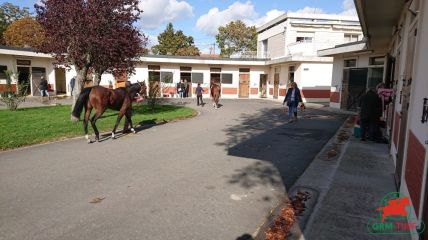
(80, 103)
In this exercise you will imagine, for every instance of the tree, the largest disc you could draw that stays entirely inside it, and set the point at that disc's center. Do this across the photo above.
(24, 32)
(8, 14)
(236, 37)
(173, 42)
(91, 34)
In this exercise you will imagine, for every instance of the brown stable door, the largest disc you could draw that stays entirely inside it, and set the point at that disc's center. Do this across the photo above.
(244, 85)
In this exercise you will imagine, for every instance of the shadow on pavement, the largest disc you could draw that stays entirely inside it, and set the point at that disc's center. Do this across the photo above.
(284, 150)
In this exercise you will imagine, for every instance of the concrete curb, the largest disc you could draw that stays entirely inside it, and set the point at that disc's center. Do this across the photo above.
(316, 179)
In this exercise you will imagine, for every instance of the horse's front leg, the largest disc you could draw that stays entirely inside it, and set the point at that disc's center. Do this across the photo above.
(128, 116)
(119, 117)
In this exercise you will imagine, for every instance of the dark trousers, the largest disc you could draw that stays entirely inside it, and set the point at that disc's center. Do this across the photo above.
(373, 129)
(199, 99)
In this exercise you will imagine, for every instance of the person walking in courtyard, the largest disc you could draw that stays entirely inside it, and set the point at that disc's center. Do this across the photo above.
(44, 88)
(370, 113)
(72, 84)
(292, 99)
(199, 90)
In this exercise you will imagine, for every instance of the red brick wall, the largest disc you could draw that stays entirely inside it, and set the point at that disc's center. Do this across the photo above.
(315, 93)
(414, 169)
(335, 97)
(254, 91)
(229, 91)
(270, 91)
(168, 90)
(396, 129)
(282, 92)
(3, 87)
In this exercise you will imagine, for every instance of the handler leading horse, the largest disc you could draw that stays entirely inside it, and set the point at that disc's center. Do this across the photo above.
(215, 88)
(101, 98)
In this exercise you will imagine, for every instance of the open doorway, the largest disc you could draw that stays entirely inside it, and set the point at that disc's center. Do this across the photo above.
(263, 85)
(24, 80)
(187, 76)
(60, 83)
(36, 78)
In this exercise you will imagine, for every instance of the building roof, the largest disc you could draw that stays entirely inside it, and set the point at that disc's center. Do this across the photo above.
(323, 18)
(24, 52)
(344, 48)
(378, 20)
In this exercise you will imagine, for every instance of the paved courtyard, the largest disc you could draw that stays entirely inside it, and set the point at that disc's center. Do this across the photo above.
(215, 176)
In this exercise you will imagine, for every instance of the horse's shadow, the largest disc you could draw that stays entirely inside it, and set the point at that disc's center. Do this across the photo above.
(141, 126)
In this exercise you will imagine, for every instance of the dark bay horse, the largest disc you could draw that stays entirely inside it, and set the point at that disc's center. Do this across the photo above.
(101, 98)
(215, 89)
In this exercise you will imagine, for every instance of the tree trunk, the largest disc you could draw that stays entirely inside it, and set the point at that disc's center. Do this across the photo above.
(97, 78)
(80, 84)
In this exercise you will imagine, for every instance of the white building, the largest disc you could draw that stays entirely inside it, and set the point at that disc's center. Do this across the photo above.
(291, 42)
(287, 51)
(396, 40)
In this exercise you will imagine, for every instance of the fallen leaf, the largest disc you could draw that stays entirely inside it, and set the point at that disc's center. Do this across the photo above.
(97, 200)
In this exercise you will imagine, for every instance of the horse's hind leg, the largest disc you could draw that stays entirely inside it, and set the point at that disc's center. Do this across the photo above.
(94, 120)
(88, 110)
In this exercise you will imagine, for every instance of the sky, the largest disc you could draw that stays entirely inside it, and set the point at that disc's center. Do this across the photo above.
(201, 18)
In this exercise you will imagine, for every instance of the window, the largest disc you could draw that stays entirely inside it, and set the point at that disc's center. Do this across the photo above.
(351, 38)
(38, 72)
(226, 78)
(185, 69)
(23, 62)
(154, 68)
(215, 70)
(198, 78)
(244, 70)
(2, 72)
(377, 61)
(375, 77)
(304, 39)
(166, 77)
(154, 76)
(350, 63)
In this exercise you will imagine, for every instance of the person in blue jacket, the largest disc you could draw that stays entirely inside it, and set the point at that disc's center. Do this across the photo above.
(292, 99)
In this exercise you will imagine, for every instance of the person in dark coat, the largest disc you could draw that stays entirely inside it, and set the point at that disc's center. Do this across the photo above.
(44, 87)
(370, 113)
(292, 99)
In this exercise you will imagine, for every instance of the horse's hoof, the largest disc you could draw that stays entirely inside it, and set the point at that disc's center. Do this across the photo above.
(133, 131)
(113, 136)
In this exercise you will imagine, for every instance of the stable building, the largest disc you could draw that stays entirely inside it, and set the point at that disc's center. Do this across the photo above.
(394, 51)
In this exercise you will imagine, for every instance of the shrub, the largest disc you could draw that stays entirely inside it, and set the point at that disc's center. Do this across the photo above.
(12, 98)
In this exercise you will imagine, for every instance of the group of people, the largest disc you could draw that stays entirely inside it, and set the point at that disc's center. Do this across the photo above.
(183, 88)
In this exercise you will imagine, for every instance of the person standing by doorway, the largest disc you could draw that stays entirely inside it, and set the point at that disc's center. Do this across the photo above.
(199, 91)
(186, 88)
(180, 88)
(292, 99)
(72, 84)
(370, 113)
(44, 88)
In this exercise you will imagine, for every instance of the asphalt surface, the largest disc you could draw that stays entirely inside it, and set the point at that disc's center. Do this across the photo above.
(215, 176)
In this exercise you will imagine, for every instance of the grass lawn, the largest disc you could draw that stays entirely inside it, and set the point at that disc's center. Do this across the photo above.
(36, 125)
